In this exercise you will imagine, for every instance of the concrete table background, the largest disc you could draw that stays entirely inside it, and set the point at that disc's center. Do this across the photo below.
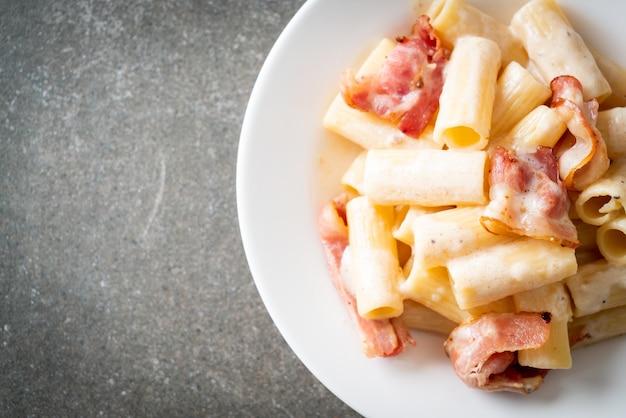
(124, 290)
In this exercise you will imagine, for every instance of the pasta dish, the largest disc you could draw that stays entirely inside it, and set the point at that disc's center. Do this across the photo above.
(486, 204)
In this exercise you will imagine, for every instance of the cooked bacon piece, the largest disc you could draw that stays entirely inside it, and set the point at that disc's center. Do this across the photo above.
(381, 338)
(527, 197)
(408, 86)
(582, 154)
(483, 352)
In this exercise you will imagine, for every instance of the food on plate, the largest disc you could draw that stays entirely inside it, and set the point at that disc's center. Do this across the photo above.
(407, 86)
(527, 198)
(487, 203)
(483, 352)
(467, 97)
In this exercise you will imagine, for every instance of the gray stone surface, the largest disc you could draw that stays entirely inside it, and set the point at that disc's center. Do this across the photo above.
(124, 290)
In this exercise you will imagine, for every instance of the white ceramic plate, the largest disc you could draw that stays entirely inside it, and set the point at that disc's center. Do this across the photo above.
(287, 165)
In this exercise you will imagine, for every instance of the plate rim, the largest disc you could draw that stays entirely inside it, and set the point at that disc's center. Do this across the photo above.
(243, 208)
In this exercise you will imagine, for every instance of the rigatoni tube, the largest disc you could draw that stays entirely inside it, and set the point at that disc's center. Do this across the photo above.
(404, 230)
(517, 93)
(503, 305)
(542, 126)
(368, 130)
(466, 101)
(374, 259)
(556, 49)
(612, 125)
(418, 316)
(495, 272)
(431, 287)
(555, 353)
(604, 199)
(425, 177)
(615, 74)
(597, 327)
(455, 18)
(551, 298)
(440, 236)
(597, 286)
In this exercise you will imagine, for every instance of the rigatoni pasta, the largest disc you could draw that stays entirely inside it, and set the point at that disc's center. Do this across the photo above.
(403, 230)
(454, 19)
(478, 206)
(615, 74)
(591, 329)
(541, 127)
(425, 177)
(374, 259)
(438, 237)
(517, 93)
(466, 103)
(603, 200)
(555, 353)
(597, 286)
(367, 130)
(556, 49)
(513, 267)
(418, 316)
(431, 288)
(504, 305)
(612, 125)
(551, 298)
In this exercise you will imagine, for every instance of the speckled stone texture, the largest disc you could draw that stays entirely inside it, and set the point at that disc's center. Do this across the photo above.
(124, 288)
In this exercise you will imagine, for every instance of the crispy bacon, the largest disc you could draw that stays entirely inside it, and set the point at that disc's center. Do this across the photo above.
(582, 153)
(408, 86)
(483, 353)
(528, 198)
(381, 338)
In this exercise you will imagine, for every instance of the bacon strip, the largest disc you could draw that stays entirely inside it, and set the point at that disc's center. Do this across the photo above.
(483, 352)
(528, 198)
(408, 86)
(381, 338)
(582, 154)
